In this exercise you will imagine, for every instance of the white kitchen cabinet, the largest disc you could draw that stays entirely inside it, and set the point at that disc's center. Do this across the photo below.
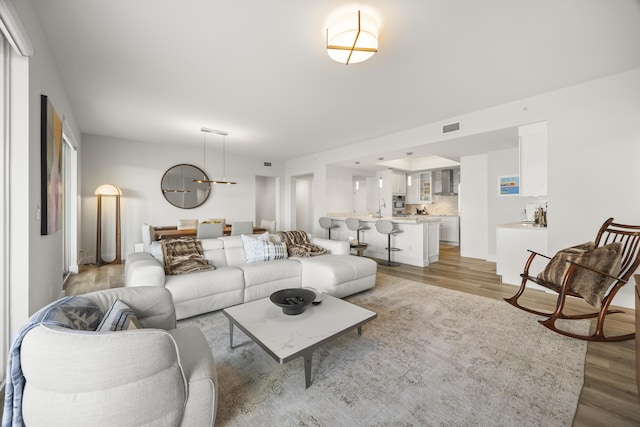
(512, 244)
(449, 228)
(398, 183)
(533, 159)
(426, 190)
(413, 189)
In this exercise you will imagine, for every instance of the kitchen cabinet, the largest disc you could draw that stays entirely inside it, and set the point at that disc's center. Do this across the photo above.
(512, 244)
(533, 159)
(398, 183)
(426, 191)
(413, 188)
(449, 228)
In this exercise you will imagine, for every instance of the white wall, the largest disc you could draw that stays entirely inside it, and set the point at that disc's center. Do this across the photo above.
(474, 208)
(36, 261)
(266, 198)
(502, 209)
(593, 149)
(137, 168)
(304, 204)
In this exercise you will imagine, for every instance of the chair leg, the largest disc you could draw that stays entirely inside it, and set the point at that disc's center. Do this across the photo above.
(598, 335)
(514, 300)
(388, 262)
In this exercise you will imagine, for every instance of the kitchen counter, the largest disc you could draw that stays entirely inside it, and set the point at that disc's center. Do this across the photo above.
(525, 225)
(418, 240)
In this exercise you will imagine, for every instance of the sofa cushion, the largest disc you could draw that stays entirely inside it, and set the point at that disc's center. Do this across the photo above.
(201, 284)
(233, 249)
(261, 279)
(339, 275)
(213, 251)
(183, 256)
(119, 317)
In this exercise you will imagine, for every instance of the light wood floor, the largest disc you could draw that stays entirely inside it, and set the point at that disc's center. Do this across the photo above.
(609, 396)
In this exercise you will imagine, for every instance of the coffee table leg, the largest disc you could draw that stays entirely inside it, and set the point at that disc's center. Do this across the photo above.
(307, 368)
(360, 330)
(230, 334)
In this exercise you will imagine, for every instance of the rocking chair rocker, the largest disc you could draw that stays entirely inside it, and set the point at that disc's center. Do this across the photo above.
(627, 240)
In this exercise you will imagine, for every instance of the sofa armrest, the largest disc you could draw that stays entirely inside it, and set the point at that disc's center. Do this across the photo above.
(124, 378)
(334, 247)
(142, 269)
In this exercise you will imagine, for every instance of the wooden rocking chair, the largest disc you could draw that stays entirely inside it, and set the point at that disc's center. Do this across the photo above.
(628, 239)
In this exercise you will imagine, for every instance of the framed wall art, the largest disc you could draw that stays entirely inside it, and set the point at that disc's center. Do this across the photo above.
(509, 185)
(50, 168)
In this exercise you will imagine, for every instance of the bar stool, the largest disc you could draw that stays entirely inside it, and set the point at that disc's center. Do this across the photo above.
(354, 224)
(325, 222)
(384, 226)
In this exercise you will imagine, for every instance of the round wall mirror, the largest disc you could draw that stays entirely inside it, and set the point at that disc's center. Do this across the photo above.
(179, 189)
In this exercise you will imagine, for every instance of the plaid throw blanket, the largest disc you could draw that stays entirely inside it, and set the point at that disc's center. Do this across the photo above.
(72, 312)
(299, 245)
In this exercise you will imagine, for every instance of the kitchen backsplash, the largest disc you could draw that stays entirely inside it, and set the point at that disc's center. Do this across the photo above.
(442, 205)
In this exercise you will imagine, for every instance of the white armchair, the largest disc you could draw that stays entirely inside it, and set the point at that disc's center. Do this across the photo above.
(158, 375)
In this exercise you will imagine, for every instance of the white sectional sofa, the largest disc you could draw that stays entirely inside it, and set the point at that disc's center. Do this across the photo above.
(234, 281)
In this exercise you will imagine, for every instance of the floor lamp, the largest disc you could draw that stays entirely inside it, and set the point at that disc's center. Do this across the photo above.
(108, 190)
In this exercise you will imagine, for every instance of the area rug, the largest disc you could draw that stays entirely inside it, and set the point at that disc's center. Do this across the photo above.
(432, 357)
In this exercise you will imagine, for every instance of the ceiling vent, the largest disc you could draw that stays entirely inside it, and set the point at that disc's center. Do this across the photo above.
(267, 164)
(451, 127)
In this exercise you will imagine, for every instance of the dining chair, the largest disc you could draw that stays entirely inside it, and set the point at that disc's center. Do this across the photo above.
(209, 231)
(241, 227)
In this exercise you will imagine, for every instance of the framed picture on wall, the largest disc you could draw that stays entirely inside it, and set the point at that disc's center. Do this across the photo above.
(50, 168)
(509, 185)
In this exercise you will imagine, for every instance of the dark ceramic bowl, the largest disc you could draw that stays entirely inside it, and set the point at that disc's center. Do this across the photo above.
(293, 301)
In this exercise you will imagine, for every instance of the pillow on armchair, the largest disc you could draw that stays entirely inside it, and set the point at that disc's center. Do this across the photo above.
(590, 285)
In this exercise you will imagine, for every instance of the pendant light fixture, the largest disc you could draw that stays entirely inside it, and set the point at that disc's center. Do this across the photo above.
(224, 134)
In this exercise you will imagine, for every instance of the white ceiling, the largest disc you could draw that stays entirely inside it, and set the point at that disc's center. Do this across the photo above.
(159, 70)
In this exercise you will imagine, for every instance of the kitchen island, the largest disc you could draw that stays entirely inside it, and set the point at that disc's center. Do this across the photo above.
(419, 240)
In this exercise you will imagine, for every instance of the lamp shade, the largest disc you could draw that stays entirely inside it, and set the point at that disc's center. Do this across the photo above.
(108, 190)
(352, 38)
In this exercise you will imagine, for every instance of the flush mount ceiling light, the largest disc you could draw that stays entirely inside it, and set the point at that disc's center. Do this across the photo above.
(224, 134)
(352, 38)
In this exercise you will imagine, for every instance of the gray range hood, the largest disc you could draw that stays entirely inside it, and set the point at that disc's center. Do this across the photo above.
(447, 185)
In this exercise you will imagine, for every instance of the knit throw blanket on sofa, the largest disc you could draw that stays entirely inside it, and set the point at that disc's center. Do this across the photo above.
(299, 245)
(183, 256)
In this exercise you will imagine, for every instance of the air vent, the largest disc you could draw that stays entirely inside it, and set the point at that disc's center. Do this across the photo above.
(451, 127)
(267, 164)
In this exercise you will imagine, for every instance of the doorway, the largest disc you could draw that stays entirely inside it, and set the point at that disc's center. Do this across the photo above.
(267, 200)
(303, 200)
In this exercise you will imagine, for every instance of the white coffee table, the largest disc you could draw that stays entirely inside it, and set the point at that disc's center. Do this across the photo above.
(285, 337)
